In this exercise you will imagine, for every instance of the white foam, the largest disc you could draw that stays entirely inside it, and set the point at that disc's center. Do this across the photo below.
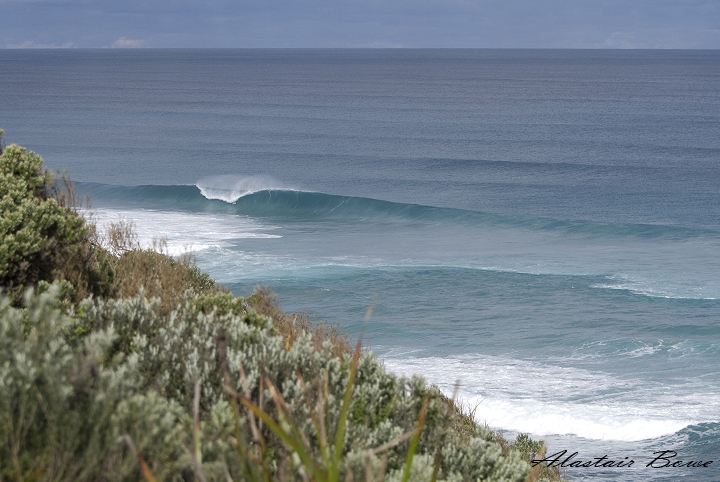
(545, 399)
(592, 421)
(230, 188)
(657, 289)
(232, 265)
(182, 231)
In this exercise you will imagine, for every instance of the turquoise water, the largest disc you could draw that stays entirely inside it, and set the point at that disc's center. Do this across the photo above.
(543, 226)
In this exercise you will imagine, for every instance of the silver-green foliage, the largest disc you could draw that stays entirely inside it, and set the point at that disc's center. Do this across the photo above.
(69, 400)
(65, 406)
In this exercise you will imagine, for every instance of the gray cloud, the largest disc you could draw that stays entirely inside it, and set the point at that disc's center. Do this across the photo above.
(30, 44)
(363, 23)
(127, 43)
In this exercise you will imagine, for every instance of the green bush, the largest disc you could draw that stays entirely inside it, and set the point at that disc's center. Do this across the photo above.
(42, 237)
(35, 232)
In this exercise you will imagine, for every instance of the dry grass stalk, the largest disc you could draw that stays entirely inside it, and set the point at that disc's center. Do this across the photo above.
(291, 327)
(120, 237)
(535, 471)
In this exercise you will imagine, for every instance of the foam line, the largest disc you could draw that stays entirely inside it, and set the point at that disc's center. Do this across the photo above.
(545, 399)
(185, 231)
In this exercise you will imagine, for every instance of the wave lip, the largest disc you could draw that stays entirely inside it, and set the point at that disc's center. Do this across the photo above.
(230, 188)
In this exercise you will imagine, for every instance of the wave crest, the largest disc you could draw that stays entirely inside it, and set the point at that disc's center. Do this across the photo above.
(230, 188)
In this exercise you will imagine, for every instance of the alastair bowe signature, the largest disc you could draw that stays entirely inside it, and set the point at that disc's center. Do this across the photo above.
(662, 459)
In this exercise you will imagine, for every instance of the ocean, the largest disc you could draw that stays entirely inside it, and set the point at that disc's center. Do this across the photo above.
(542, 226)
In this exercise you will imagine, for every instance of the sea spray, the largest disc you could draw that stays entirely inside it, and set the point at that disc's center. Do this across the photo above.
(230, 188)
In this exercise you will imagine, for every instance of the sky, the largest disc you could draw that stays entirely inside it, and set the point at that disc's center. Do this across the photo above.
(683, 24)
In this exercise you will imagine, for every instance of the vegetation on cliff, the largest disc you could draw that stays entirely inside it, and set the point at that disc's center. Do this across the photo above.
(121, 363)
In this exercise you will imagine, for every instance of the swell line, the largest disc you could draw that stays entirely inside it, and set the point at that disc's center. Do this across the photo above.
(290, 204)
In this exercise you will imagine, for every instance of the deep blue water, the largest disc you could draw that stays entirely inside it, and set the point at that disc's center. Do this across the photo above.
(542, 225)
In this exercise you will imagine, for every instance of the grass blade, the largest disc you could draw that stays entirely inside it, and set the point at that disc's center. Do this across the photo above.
(334, 469)
(257, 435)
(147, 473)
(292, 442)
(242, 449)
(196, 453)
(415, 439)
(317, 422)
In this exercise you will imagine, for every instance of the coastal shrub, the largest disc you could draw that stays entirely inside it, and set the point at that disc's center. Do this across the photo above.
(34, 229)
(74, 398)
(158, 275)
(42, 238)
(65, 405)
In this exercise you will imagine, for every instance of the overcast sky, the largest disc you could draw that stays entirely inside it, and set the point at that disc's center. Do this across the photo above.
(361, 23)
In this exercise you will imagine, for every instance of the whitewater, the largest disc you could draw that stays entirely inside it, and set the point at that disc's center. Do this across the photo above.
(542, 227)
